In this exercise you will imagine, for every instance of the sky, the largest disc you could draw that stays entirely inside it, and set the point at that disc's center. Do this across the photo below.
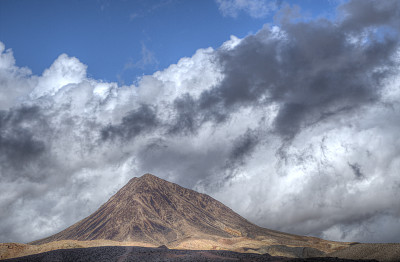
(286, 111)
(123, 40)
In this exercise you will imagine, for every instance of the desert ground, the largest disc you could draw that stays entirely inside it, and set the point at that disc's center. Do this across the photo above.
(130, 253)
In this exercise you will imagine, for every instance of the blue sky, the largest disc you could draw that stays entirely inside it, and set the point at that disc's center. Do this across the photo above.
(121, 40)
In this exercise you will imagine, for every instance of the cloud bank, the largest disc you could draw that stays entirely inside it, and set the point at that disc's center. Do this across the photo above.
(295, 127)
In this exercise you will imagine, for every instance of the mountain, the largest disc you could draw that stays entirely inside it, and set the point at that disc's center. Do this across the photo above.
(154, 211)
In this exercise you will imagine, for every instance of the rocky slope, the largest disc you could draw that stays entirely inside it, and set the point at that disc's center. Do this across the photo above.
(378, 251)
(151, 210)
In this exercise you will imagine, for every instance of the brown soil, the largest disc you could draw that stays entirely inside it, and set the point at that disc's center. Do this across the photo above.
(11, 250)
(381, 252)
(127, 254)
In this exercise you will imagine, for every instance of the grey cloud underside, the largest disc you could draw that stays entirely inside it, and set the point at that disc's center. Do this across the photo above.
(19, 148)
(357, 170)
(360, 14)
(143, 119)
(295, 127)
(186, 120)
(243, 146)
(314, 71)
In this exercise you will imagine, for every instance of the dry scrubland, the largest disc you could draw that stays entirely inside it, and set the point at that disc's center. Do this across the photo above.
(246, 247)
(242, 245)
(12, 250)
(123, 254)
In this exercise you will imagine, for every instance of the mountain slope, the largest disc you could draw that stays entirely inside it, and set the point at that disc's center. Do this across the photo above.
(151, 210)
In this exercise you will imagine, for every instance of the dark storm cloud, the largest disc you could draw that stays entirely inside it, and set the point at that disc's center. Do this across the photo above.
(186, 121)
(359, 14)
(242, 68)
(133, 124)
(243, 146)
(18, 145)
(190, 114)
(312, 71)
(356, 168)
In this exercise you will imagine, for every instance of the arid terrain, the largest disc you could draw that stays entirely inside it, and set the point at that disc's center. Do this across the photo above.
(122, 254)
(151, 212)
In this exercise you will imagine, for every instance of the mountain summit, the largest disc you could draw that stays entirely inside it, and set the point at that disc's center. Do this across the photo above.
(152, 210)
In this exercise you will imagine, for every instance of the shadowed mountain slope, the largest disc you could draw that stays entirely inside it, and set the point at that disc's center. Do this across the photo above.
(151, 210)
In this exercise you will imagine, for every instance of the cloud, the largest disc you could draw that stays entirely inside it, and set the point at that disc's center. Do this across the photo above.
(147, 59)
(133, 124)
(294, 127)
(65, 70)
(186, 121)
(133, 16)
(254, 8)
(243, 146)
(14, 85)
(359, 15)
(357, 170)
(19, 149)
(300, 70)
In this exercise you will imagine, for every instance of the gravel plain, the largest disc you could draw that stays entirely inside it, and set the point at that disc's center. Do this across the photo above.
(125, 254)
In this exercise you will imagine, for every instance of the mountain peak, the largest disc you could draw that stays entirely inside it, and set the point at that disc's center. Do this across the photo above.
(149, 176)
(150, 209)
(145, 183)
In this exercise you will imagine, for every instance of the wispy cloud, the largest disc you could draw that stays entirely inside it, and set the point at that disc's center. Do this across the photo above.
(133, 16)
(148, 59)
(149, 8)
(254, 8)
